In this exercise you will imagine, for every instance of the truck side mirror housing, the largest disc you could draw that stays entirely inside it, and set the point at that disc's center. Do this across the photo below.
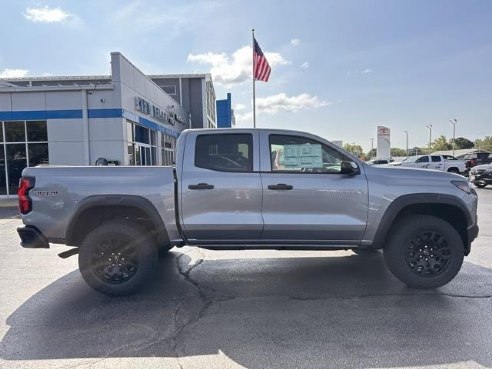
(349, 167)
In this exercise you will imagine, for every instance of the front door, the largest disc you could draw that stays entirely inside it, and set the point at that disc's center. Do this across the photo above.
(305, 197)
(221, 189)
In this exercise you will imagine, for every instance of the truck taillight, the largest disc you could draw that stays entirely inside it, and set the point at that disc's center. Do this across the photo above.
(25, 202)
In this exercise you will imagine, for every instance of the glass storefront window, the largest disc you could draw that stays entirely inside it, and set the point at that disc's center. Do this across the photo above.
(153, 151)
(141, 134)
(3, 177)
(131, 154)
(17, 150)
(38, 154)
(37, 131)
(15, 132)
(16, 162)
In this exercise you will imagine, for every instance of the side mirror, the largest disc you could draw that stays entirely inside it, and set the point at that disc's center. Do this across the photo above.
(349, 167)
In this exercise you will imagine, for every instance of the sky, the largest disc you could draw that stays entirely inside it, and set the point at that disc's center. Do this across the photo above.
(339, 68)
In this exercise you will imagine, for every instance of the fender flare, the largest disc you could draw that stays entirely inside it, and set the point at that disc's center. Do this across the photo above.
(400, 203)
(134, 201)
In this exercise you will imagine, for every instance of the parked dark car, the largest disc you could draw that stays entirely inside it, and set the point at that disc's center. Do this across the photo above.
(481, 175)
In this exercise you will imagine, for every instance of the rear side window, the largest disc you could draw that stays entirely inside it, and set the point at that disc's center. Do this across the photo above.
(435, 158)
(225, 152)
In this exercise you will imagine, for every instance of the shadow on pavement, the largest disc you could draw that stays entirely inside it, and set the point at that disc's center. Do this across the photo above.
(339, 312)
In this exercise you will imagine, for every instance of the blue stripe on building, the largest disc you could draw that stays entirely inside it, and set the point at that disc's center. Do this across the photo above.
(41, 114)
(105, 113)
(92, 113)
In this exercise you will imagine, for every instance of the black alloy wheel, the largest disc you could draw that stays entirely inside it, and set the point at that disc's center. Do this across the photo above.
(115, 261)
(428, 254)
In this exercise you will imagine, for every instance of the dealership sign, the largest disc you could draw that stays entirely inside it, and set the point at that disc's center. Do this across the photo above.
(147, 108)
(383, 148)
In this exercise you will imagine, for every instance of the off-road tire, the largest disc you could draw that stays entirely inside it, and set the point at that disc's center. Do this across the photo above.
(117, 237)
(411, 239)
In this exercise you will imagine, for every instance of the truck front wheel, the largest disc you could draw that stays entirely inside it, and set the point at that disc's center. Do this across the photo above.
(424, 251)
(117, 257)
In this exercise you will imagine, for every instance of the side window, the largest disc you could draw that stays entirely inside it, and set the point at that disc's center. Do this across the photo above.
(423, 159)
(303, 155)
(225, 152)
(435, 158)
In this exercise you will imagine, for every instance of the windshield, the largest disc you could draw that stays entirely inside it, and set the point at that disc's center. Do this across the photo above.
(411, 159)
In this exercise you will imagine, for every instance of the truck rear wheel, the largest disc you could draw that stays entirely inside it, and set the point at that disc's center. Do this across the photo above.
(424, 251)
(117, 257)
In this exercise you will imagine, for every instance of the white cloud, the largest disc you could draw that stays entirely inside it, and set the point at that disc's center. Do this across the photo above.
(295, 42)
(235, 69)
(363, 71)
(273, 104)
(281, 102)
(304, 65)
(13, 73)
(46, 15)
(239, 107)
(244, 117)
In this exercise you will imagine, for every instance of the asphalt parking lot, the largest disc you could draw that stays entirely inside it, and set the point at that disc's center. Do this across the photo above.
(252, 309)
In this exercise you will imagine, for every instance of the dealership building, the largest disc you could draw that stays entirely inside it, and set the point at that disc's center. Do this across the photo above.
(127, 118)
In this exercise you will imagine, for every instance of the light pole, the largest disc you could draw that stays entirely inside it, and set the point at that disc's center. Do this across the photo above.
(406, 134)
(430, 136)
(372, 143)
(453, 122)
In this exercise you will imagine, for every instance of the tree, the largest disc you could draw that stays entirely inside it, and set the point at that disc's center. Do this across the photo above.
(354, 149)
(485, 144)
(395, 151)
(371, 153)
(462, 143)
(441, 144)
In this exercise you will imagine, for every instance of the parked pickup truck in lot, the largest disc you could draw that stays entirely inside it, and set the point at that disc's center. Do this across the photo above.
(249, 189)
(445, 163)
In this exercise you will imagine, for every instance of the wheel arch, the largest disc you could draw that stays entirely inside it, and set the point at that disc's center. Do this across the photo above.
(97, 209)
(446, 207)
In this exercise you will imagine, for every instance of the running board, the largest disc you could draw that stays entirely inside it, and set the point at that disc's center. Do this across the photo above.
(68, 253)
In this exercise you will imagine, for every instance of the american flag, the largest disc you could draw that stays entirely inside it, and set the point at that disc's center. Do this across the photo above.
(261, 69)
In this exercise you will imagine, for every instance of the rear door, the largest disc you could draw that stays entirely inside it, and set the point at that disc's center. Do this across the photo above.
(436, 162)
(306, 200)
(221, 190)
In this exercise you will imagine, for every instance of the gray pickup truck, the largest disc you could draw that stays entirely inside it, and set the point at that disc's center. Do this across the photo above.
(249, 189)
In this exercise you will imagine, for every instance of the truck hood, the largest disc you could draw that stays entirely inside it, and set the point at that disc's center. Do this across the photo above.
(413, 173)
(483, 166)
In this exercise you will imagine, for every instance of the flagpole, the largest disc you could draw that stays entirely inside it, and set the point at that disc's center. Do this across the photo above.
(254, 97)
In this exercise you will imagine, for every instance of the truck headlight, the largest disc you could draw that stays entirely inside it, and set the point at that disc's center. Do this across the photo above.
(462, 185)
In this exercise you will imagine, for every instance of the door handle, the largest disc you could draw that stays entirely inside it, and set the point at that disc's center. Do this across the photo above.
(280, 186)
(201, 186)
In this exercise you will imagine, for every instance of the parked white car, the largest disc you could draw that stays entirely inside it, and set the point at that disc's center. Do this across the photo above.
(436, 162)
